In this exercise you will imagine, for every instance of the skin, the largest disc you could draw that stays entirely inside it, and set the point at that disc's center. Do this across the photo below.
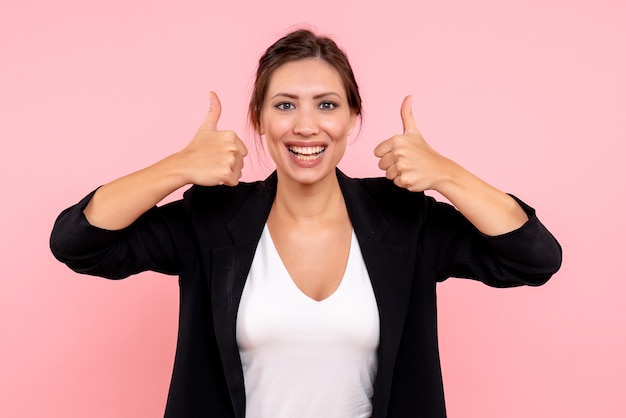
(306, 106)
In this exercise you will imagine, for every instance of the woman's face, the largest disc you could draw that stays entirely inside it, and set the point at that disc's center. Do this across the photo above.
(306, 120)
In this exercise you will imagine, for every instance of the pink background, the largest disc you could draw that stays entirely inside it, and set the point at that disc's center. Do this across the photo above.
(529, 95)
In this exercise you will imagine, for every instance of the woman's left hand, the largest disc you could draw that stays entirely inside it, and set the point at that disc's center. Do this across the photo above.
(411, 163)
(408, 160)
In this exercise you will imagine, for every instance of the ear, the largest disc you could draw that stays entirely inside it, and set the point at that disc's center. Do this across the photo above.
(353, 119)
(260, 129)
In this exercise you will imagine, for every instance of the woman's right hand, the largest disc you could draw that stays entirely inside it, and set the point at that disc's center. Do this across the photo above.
(213, 157)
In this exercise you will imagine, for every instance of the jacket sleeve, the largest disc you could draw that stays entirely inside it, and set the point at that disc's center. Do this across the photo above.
(155, 241)
(529, 255)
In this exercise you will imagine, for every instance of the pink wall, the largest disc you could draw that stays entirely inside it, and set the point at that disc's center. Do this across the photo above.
(528, 94)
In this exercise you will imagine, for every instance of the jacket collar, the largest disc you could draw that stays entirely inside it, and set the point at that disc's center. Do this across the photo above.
(366, 219)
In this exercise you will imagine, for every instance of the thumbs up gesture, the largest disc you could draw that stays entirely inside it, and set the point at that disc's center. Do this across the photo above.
(407, 159)
(213, 157)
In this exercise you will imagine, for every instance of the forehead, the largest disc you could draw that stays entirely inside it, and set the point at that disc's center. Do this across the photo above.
(306, 75)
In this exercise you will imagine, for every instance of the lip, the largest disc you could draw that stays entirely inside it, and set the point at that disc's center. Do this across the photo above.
(306, 144)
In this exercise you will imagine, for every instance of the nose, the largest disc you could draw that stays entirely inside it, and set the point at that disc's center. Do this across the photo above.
(305, 123)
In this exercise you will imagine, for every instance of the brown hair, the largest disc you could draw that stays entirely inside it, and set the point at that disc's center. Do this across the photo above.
(298, 45)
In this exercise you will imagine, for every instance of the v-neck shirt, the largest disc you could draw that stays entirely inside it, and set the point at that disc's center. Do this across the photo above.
(303, 357)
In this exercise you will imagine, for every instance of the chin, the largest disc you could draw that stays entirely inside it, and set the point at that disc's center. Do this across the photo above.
(308, 176)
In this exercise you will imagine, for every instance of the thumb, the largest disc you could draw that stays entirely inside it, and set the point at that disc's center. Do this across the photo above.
(215, 110)
(406, 113)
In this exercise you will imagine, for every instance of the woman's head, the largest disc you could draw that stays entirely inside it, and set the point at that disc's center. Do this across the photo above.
(300, 45)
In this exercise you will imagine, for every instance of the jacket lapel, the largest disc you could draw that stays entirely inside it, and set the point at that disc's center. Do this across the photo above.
(384, 264)
(229, 269)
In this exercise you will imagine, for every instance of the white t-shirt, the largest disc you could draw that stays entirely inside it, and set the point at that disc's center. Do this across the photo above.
(306, 358)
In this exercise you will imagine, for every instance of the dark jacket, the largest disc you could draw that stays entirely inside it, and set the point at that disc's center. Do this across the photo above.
(409, 242)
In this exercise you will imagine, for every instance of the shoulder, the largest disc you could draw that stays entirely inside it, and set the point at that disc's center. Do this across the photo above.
(385, 195)
(245, 205)
(378, 208)
(228, 197)
(218, 195)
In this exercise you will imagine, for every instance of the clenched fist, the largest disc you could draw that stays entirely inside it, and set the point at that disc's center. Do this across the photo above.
(408, 160)
(213, 157)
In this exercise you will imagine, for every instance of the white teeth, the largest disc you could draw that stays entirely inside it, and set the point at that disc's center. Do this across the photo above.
(306, 153)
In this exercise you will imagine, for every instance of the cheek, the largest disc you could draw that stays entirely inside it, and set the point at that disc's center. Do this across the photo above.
(339, 129)
(274, 128)
(273, 132)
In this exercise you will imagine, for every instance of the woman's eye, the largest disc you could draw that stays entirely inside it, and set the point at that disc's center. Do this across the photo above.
(327, 105)
(284, 106)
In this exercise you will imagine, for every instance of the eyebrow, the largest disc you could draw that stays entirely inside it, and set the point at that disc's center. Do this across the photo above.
(295, 96)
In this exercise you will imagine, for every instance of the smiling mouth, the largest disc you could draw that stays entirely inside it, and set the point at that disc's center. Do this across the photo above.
(307, 153)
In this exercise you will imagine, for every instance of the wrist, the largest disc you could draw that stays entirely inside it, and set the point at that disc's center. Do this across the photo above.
(175, 170)
(450, 178)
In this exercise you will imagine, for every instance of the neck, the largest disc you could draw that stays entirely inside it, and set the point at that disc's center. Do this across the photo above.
(308, 202)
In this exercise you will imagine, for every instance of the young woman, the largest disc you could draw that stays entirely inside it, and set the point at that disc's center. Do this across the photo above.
(310, 293)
